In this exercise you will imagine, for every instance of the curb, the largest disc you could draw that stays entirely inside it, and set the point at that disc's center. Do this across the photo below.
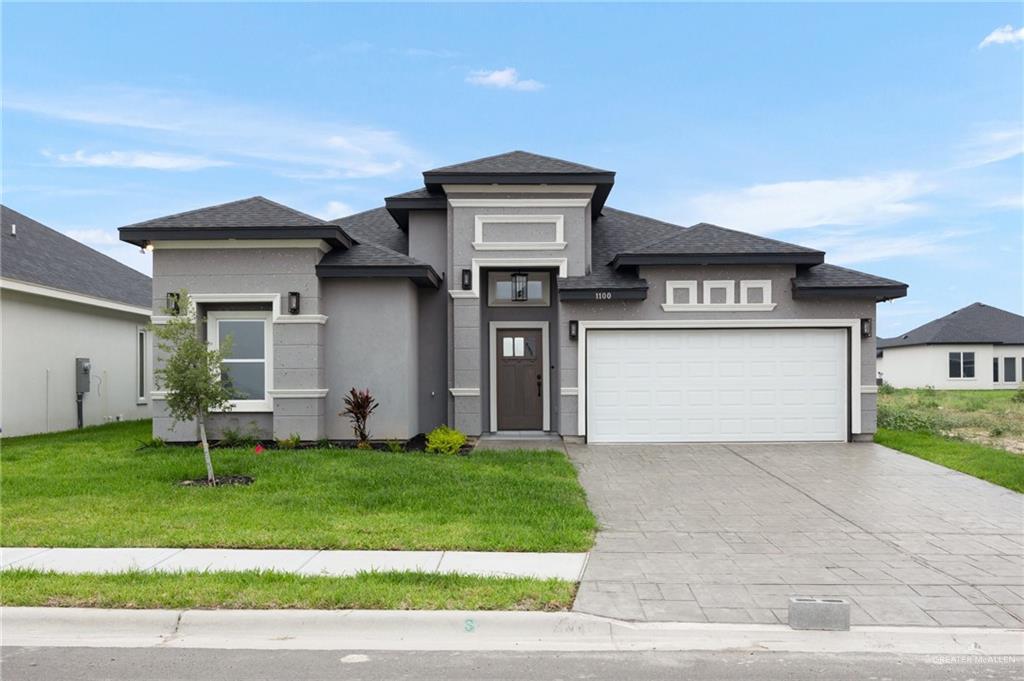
(468, 631)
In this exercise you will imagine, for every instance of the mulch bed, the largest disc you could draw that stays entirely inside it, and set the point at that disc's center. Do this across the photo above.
(221, 481)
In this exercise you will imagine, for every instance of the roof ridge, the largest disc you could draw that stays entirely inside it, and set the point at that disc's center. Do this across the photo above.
(192, 210)
(260, 197)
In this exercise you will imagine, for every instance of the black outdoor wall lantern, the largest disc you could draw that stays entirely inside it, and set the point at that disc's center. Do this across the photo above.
(574, 329)
(519, 288)
(467, 280)
(293, 302)
(865, 328)
(173, 303)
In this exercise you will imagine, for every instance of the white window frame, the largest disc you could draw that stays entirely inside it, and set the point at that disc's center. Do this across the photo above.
(764, 284)
(1002, 370)
(730, 291)
(213, 319)
(142, 360)
(672, 286)
(961, 377)
(492, 289)
(556, 221)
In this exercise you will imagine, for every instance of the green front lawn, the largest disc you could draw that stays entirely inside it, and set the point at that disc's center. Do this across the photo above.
(372, 591)
(96, 487)
(995, 465)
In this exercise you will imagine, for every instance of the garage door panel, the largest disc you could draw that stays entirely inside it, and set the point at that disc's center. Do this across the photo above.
(716, 385)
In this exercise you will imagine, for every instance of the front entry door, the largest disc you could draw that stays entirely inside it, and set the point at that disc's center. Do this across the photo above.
(520, 388)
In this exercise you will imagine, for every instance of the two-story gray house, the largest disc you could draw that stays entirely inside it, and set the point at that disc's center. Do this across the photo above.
(505, 295)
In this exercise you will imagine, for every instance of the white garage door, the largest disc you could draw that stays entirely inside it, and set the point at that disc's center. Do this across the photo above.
(716, 385)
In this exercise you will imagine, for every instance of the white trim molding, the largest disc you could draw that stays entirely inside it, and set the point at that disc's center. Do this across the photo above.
(71, 297)
(730, 291)
(545, 363)
(670, 304)
(570, 392)
(273, 298)
(518, 203)
(204, 245)
(464, 392)
(297, 393)
(764, 284)
(478, 263)
(853, 340)
(709, 307)
(557, 244)
(868, 389)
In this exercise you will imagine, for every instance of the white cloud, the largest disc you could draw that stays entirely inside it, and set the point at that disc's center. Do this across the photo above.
(854, 247)
(336, 209)
(290, 144)
(151, 160)
(1004, 35)
(803, 204)
(992, 145)
(505, 79)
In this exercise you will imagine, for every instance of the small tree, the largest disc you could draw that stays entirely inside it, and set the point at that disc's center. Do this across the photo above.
(191, 372)
(359, 404)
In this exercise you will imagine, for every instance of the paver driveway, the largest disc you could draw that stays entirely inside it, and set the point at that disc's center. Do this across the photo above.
(727, 533)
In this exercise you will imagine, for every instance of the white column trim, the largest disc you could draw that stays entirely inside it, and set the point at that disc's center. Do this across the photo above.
(868, 389)
(853, 371)
(296, 393)
(570, 392)
(519, 203)
(546, 364)
(464, 392)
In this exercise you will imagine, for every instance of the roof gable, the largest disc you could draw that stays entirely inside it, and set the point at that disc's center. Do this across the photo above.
(256, 211)
(516, 162)
(39, 255)
(976, 323)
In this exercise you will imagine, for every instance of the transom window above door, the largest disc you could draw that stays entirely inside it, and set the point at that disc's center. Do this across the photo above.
(526, 289)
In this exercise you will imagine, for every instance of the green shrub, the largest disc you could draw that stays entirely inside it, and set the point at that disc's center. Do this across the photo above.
(445, 440)
(1018, 396)
(886, 389)
(395, 446)
(894, 417)
(291, 442)
(324, 443)
(233, 438)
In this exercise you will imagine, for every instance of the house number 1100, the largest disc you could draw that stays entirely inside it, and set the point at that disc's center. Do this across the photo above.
(602, 295)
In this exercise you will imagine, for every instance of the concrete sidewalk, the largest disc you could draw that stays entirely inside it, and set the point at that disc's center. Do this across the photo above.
(567, 566)
(468, 630)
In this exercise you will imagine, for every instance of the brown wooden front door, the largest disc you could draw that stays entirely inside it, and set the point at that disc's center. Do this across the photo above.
(520, 381)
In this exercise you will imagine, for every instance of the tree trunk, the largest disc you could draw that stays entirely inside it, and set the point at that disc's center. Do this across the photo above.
(206, 451)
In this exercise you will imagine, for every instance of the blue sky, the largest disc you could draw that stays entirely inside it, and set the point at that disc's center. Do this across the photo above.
(888, 135)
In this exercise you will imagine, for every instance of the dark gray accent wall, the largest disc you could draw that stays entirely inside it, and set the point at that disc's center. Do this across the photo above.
(428, 239)
(519, 314)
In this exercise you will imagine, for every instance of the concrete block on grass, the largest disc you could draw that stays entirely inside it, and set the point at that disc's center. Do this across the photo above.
(823, 614)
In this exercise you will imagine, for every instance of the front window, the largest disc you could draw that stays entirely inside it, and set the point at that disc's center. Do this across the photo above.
(526, 289)
(246, 365)
(961, 365)
(1010, 369)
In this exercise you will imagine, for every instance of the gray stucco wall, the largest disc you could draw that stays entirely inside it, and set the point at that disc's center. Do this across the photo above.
(42, 337)
(298, 348)
(428, 242)
(371, 341)
(650, 309)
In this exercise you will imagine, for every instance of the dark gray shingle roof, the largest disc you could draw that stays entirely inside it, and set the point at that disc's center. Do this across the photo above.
(833, 276)
(256, 211)
(616, 231)
(375, 226)
(44, 256)
(712, 239)
(976, 323)
(368, 254)
(516, 162)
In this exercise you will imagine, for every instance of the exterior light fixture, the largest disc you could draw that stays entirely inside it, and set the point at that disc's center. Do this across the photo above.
(574, 329)
(467, 280)
(149, 247)
(293, 302)
(519, 288)
(173, 303)
(866, 330)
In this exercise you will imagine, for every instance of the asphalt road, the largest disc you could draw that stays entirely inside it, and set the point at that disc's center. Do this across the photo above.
(151, 664)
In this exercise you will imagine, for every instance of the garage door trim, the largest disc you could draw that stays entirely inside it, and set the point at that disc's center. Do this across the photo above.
(853, 369)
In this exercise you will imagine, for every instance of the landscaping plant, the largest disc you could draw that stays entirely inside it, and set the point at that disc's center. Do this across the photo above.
(359, 405)
(190, 373)
(445, 440)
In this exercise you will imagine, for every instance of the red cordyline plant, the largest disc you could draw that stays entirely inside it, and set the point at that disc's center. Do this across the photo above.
(359, 404)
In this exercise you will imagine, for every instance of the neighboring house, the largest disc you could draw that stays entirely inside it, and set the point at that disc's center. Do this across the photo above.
(504, 295)
(61, 301)
(978, 347)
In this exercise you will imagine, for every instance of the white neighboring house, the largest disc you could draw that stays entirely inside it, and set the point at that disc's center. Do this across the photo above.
(978, 347)
(59, 301)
